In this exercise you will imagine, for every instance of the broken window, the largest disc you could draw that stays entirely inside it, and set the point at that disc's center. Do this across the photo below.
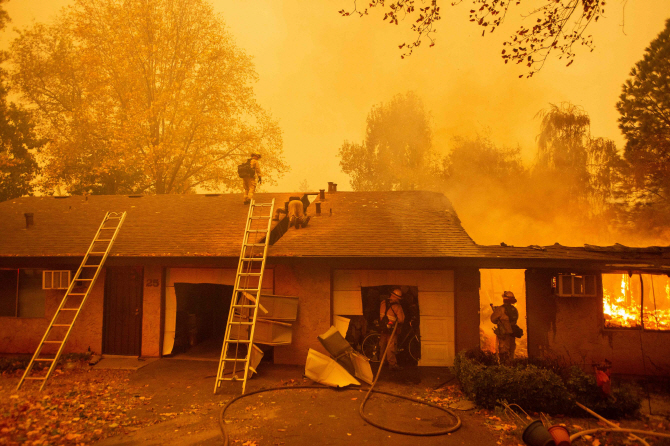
(636, 301)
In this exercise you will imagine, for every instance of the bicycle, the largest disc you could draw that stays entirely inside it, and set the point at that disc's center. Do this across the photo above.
(410, 342)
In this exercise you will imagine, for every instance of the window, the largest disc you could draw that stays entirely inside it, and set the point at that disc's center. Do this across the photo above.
(575, 285)
(636, 301)
(21, 293)
(55, 280)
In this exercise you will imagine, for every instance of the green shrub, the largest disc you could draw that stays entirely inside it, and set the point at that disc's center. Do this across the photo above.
(621, 402)
(538, 386)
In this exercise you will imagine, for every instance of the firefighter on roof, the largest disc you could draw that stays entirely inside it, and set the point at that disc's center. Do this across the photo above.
(249, 171)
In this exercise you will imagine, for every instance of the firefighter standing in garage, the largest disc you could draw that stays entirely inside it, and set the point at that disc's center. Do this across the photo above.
(391, 313)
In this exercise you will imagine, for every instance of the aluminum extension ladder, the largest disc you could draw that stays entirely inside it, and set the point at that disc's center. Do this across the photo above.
(238, 348)
(80, 287)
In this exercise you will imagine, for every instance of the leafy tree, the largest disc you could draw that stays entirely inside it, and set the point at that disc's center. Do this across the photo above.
(396, 152)
(644, 106)
(557, 25)
(143, 96)
(17, 139)
(568, 157)
(476, 160)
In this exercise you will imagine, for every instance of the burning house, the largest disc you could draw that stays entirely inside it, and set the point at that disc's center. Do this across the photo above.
(168, 280)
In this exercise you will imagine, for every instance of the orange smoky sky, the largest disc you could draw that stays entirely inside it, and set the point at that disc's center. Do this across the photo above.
(320, 73)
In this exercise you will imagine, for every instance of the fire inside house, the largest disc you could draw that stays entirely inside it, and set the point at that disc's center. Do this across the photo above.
(636, 301)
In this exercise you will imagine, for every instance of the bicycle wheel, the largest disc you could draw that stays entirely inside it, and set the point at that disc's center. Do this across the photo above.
(414, 348)
(370, 347)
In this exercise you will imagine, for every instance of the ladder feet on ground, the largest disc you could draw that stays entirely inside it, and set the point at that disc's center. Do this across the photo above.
(55, 328)
(242, 316)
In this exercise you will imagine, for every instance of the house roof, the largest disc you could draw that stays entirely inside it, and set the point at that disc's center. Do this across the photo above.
(371, 224)
(351, 224)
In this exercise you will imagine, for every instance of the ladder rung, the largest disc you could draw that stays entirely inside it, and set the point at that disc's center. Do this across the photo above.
(249, 274)
(252, 259)
(258, 217)
(53, 342)
(258, 245)
(263, 205)
(236, 359)
(257, 230)
(238, 341)
(69, 309)
(35, 378)
(113, 218)
(90, 266)
(62, 325)
(77, 294)
(82, 280)
(44, 359)
(244, 306)
(255, 290)
(97, 253)
(103, 240)
(240, 323)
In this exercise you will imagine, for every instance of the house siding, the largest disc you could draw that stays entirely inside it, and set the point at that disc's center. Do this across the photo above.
(151, 310)
(573, 328)
(22, 335)
(309, 281)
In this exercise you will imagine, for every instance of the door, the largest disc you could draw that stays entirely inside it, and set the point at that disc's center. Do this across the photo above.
(122, 322)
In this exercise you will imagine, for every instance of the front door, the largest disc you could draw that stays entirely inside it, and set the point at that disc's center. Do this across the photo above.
(122, 322)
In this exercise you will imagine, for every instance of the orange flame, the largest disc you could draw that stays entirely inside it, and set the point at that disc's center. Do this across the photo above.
(623, 310)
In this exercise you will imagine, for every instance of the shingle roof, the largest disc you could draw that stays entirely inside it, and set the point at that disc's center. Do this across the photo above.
(371, 224)
(352, 224)
(380, 224)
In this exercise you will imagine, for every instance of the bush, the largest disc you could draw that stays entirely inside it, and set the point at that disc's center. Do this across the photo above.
(13, 363)
(537, 386)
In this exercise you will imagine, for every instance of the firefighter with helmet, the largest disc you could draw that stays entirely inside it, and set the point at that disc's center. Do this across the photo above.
(252, 170)
(505, 317)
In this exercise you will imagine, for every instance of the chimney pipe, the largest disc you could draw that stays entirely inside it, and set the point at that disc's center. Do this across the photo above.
(318, 207)
(29, 219)
(332, 187)
(322, 194)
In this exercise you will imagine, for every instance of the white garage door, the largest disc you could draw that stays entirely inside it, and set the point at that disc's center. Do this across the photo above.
(436, 305)
(197, 275)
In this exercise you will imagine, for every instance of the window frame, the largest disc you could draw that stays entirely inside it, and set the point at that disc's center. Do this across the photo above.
(558, 286)
(53, 272)
(641, 326)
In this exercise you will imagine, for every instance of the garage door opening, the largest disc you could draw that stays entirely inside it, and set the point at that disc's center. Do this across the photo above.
(202, 312)
(363, 332)
(493, 282)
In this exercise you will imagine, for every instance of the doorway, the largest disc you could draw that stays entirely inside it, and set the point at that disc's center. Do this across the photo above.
(202, 313)
(122, 314)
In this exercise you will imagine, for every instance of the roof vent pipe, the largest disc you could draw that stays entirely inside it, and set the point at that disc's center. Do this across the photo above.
(332, 187)
(322, 194)
(318, 207)
(29, 219)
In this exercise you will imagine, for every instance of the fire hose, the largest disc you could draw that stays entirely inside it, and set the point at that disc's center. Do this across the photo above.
(444, 431)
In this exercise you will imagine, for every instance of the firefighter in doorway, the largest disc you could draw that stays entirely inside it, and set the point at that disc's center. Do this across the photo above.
(505, 317)
(390, 314)
(250, 182)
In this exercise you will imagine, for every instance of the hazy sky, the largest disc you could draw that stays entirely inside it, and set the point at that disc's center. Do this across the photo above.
(320, 73)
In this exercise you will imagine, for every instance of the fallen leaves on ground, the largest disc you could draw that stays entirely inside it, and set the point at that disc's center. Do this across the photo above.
(78, 406)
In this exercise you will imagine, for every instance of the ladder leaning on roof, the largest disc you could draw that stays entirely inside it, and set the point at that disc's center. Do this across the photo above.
(80, 287)
(245, 302)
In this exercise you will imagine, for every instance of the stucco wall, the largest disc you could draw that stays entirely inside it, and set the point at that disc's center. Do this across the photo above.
(573, 328)
(22, 335)
(151, 310)
(310, 282)
(466, 303)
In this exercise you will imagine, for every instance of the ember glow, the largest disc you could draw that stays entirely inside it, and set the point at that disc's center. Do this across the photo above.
(624, 296)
